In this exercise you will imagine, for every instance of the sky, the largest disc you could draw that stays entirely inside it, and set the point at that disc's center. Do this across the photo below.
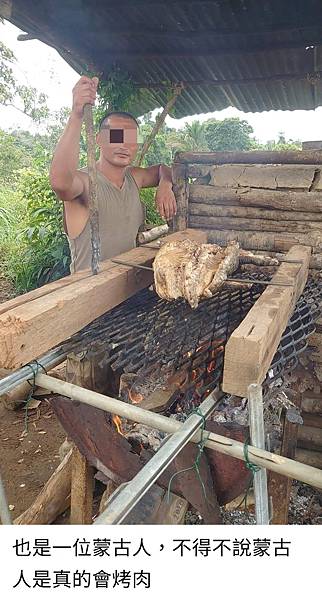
(40, 66)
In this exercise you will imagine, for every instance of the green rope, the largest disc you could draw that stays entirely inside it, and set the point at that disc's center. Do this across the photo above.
(35, 368)
(196, 462)
(253, 469)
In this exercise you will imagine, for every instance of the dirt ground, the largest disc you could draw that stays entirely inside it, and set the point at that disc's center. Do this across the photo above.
(27, 460)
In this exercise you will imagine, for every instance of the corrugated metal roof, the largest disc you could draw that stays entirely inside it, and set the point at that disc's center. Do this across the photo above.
(254, 55)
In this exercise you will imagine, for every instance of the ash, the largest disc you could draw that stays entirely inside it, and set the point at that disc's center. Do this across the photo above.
(305, 505)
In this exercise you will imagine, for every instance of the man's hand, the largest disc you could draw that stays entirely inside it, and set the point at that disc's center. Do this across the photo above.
(84, 92)
(165, 200)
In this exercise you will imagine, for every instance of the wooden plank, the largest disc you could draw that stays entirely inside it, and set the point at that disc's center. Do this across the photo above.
(264, 176)
(180, 188)
(268, 240)
(295, 157)
(310, 437)
(280, 487)
(252, 212)
(53, 499)
(309, 457)
(29, 330)
(276, 199)
(208, 222)
(251, 347)
(81, 490)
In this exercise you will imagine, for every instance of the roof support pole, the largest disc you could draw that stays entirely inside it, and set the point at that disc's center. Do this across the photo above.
(158, 123)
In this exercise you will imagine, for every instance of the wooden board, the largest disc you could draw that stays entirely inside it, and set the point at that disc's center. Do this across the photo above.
(264, 176)
(251, 212)
(266, 240)
(290, 157)
(275, 199)
(251, 347)
(32, 328)
(237, 223)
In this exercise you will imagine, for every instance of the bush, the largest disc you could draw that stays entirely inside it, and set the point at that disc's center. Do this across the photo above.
(38, 251)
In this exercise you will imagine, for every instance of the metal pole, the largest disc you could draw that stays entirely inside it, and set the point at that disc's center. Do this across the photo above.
(48, 361)
(4, 509)
(119, 508)
(262, 458)
(257, 435)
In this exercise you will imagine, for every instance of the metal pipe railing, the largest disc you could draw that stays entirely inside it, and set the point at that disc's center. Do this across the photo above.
(130, 495)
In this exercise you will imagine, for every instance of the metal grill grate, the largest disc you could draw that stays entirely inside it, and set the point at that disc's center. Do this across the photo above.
(155, 339)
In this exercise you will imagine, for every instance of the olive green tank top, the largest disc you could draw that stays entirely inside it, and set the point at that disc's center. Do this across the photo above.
(121, 214)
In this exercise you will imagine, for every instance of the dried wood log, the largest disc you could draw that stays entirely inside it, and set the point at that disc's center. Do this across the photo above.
(251, 347)
(265, 176)
(280, 200)
(226, 223)
(152, 234)
(268, 240)
(310, 437)
(309, 457)
(315, 260)
(298, 157)
(53, 499)
(312, 420)
(244, 212)
(312, 403)
(27, 331)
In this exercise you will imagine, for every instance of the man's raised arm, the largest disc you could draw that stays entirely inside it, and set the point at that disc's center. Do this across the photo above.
(64, 178)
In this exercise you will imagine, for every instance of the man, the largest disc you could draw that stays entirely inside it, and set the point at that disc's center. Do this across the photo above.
(121, 212)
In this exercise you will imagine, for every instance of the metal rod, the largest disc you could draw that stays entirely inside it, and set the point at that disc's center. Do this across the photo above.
(126, 264)
(259, 281)
(291, 261)
(4, 509)
(233, 279)
(125, 501)
(257, 436)
(262, 458)
(48, 361)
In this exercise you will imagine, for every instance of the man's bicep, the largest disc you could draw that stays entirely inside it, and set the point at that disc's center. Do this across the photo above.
(77, 189)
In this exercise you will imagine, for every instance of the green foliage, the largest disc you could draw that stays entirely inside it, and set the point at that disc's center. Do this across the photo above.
(229, 134)
(41, 252)
(281, 144)
(13, 158)
(152, 216)
(194, 137)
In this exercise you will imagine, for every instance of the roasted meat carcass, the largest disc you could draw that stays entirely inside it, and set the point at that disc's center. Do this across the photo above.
(186, 269)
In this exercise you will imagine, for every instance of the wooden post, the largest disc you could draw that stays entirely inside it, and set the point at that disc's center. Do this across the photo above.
(85, 369)
(279, 487)
(158, 123)
(180, 188)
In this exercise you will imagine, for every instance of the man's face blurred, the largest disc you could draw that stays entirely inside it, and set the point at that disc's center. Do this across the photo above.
(117, 140)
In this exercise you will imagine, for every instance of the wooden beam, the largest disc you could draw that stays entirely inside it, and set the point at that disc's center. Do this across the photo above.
(253, 224)
(252, 212)
(81, 490)
(53, 499)
(32, 328)
(276, 199)
(268, 157)
(280, 487)
(268, 240)
(251, 347)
